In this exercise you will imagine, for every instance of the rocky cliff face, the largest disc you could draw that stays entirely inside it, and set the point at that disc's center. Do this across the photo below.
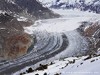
(14, 42)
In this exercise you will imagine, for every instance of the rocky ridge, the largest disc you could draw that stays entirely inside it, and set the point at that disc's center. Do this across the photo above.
(91, 30)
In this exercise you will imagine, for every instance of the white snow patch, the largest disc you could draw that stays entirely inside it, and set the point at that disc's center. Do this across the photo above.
(2, 28)
(2, 12)
(11, 1)
(22, 19)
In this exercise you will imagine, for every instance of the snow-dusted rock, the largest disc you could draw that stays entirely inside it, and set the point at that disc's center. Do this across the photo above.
(84, 5)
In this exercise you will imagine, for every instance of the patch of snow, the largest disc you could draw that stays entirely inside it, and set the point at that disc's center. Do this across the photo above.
(88, 1)
(2, 12)
(47, 3)
(2, 28)
(11, 1)
(97, 3)
(98, 53)
(22, 19)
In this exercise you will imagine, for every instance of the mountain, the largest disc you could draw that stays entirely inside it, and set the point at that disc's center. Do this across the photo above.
(27, 8)
(14, 16)
(84, 5)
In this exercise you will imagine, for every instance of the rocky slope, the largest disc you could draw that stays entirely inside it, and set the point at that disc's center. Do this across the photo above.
(14, 42)
(27, 8)
(91, 30)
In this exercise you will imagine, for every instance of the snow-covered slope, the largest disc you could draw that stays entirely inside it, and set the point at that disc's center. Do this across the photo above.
(72, 66)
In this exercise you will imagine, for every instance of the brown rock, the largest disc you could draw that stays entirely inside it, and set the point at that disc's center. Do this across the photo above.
(14, 42)
(92, 29)
(17, 45)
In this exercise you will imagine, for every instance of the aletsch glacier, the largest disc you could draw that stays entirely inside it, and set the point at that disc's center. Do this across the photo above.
(67, 25)
(51, 33)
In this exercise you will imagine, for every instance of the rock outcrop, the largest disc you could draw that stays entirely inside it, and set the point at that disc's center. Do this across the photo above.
(14, 42)
(92, 32)
(17, 45)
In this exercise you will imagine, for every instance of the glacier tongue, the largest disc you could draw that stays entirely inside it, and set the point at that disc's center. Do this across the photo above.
(66, 24)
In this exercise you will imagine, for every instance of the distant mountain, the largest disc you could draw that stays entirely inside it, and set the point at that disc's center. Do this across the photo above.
(84, 5)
